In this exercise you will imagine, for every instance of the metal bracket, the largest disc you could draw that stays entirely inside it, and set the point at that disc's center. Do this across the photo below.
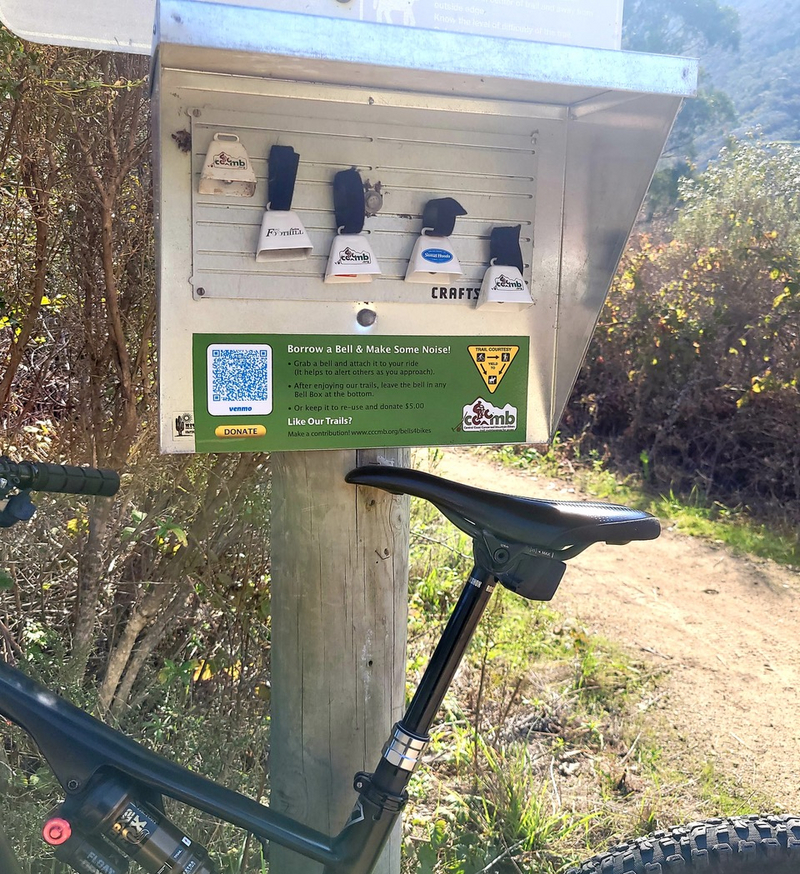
(531, 572)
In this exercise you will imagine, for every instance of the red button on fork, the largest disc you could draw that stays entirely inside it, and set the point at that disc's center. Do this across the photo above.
(56, 831)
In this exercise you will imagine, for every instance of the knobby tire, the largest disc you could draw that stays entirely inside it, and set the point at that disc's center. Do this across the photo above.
(737, 845)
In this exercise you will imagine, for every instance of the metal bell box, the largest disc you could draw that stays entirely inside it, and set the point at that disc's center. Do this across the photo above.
(545, 150)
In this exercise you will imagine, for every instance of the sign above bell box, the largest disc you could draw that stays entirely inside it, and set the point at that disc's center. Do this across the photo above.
(368, 242)
(127, 25)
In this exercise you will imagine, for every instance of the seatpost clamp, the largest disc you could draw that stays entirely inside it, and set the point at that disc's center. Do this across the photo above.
(529, 571)
(384, 801)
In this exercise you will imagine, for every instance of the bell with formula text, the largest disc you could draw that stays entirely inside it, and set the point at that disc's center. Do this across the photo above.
(282, 236)
(351, 258)
(227, 169)
(433, 259)
(503, 283)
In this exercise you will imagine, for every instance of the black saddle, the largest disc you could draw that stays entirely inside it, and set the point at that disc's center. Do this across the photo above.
(514, 535)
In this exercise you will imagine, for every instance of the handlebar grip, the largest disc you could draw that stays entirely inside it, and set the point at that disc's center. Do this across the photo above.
(61, 478)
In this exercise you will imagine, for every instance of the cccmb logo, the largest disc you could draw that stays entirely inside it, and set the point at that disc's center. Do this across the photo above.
(483, 415)
(223, 159)
(350, 256)
(503, 281)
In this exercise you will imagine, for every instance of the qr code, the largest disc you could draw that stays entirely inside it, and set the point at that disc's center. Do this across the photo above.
(239, 379)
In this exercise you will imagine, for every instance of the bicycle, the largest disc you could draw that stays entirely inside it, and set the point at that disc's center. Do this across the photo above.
(113, 810)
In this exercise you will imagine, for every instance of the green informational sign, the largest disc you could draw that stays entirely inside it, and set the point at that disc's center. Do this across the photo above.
(256, 392)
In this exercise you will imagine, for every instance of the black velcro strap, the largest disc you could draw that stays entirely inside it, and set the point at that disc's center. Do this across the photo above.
(348, 201)
(283, 161)
(440, 216)
(504, 247)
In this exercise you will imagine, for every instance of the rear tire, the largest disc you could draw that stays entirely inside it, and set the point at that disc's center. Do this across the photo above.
(739, 845)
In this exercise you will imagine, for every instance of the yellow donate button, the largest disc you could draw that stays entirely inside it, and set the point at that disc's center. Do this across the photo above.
(240, 431)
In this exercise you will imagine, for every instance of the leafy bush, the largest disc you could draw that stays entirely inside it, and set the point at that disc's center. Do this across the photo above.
(694, 365)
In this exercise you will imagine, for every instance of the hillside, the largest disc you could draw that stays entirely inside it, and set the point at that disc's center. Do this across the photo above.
(763, 78)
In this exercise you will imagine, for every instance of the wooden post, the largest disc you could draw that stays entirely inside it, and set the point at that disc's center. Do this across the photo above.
(339, 617)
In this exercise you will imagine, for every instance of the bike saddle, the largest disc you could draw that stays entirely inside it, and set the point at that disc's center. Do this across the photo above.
(522, 541)
(550, 525)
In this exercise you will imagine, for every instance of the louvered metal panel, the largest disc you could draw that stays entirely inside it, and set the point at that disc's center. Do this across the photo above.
(493, 175)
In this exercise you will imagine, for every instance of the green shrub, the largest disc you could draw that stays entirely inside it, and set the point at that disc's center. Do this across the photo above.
(695, 361)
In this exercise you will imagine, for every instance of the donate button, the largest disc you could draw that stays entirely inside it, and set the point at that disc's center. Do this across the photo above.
(240, 431)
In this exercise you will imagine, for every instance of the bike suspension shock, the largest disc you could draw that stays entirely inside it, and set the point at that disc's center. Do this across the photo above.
(109, 819)
(85, 854)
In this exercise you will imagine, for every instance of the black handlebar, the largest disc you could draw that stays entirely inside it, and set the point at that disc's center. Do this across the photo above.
(59, 478)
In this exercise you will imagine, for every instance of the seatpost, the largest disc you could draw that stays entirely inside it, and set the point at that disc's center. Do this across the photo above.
(448, 654)
(410, 735)
(382, 795)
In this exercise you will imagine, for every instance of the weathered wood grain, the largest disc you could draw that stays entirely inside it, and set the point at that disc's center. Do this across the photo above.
(339, 616)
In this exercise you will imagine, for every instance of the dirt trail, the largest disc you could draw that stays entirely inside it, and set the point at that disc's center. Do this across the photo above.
(726, 627)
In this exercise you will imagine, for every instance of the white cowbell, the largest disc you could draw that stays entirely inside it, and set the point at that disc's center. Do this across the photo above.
(504, 286)
(351, 260)
(282, 237)
(227, 169)
(433, 261)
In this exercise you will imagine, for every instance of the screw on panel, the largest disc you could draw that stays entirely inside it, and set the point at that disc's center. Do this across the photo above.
(366, 318)
(200, 292)
(73, 785)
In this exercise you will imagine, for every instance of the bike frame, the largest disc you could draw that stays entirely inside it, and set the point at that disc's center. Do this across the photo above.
(81, 750)
(115, 787)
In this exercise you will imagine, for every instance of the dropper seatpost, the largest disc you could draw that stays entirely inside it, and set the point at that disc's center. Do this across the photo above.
(410, 735)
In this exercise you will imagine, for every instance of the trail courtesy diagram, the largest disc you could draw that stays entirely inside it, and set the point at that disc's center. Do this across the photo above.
(265, 392)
